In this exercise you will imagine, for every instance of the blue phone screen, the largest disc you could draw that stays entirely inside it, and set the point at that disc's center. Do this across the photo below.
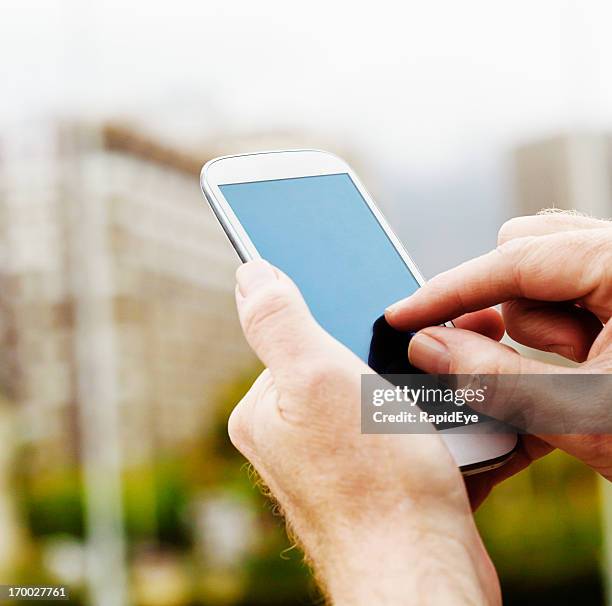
(320, 231)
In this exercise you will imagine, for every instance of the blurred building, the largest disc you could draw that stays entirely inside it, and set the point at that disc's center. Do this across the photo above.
(568, 171)
(119, 340)
(116, 287)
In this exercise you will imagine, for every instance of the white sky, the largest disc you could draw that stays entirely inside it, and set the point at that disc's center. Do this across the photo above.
(426, 90)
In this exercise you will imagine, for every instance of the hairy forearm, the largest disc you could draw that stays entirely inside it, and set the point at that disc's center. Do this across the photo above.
(403, 565)
(408, 577)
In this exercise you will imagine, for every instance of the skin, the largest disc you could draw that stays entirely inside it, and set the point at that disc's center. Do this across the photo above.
(383, 519)
(552, 273)
(387, 519)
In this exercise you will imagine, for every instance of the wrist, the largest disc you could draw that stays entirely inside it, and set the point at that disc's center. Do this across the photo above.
(400, 563)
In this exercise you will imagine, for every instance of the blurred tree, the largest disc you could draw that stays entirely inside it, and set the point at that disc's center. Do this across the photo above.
(542, 529)
(13, 541)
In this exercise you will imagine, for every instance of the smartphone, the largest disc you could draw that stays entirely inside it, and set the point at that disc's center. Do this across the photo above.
(307, 213)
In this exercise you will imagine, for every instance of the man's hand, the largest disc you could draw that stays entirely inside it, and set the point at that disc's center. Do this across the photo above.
(553, 275)
(382, 519)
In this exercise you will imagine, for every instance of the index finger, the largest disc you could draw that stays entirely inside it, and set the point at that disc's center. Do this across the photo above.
(567, 266)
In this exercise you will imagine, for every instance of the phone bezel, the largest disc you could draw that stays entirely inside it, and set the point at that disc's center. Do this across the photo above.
(472, 454)
(291, 164)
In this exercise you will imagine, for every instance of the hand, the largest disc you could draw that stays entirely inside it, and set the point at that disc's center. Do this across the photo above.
(382, 519)
(553, 275)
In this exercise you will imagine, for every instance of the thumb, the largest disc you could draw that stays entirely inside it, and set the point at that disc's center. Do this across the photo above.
(570, 408)
(441, 350)
(276, 320)
(530, 395)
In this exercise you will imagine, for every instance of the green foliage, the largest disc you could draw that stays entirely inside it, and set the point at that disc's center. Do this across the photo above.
(154, 503)
(542, 527)
(52, 503)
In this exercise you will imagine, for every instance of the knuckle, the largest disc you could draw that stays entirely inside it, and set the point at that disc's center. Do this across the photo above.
(330, 385)
(516, 254)
(520, 323)
(596, 244)
(510, 248)
(250, 421)
(239, 427)
(264, 309)
(509, 229)
(528, 260)
(502, 360)
(602, 247)
(321, 377)
(594, 249)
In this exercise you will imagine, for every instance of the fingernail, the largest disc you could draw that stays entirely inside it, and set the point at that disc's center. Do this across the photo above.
(429, 354)
(393, 309)
(253, 275)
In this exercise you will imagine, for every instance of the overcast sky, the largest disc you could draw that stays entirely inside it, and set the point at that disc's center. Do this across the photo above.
(421, 89)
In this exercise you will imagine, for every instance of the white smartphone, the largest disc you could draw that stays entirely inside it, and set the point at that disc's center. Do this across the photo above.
(307, 213)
